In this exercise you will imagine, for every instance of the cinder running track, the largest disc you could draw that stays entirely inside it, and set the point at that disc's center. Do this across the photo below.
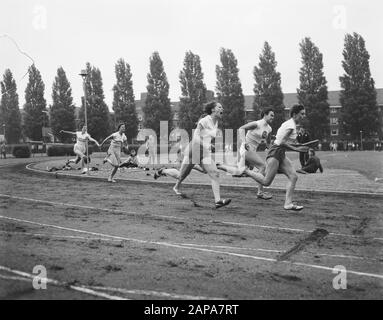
(136, 240)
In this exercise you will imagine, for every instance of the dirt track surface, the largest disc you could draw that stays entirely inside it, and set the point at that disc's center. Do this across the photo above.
(148, 243)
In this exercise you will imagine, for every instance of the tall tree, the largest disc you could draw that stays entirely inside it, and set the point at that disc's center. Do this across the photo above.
(267, 87)
(229, 91)
(312, 92)
(62, 109)
(358, 97)
(97, 110)
(35, 104)
(157, 104)
(123, 99)
(9, 108)
(193, 92)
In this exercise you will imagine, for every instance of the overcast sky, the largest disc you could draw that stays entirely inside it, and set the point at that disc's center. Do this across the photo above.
(70, 33)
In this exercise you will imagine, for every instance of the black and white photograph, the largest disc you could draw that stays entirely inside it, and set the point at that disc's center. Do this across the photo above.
(191, 155)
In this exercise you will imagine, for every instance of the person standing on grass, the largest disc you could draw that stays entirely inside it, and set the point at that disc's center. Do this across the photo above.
(276, 160)
(3, 150)
(82, 138)
(303, 137)
(258, 132)
(151, 146)
(119, 140)
(199, 151)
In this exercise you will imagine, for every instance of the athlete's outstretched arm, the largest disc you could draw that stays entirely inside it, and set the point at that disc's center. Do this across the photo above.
(106, 139)
(290, 146)
(94, 140)
(69, 132)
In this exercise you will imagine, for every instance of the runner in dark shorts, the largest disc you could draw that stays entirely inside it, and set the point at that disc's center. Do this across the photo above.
(276, 160)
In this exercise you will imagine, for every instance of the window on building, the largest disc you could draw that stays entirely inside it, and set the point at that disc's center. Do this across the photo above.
(334, 132)
(333, 120)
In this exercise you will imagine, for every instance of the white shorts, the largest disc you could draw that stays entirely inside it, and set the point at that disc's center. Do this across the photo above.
(114, 155)
(79, 148)
(241, 163)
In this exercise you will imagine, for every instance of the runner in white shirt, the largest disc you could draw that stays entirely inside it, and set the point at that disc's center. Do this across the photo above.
(276, 159)
(119, 140)
(258, 132)
(82, 137)
(199, 152)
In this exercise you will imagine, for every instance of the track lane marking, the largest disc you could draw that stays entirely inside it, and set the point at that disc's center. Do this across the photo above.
(190, 245)
(166, 244)
(180, 218)
(62, 284)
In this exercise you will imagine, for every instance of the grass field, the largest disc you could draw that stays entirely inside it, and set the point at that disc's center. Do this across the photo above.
(138, 240)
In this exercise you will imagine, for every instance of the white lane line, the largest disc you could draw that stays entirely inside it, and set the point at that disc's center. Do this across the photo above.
(92, 208)
(14, 278)
(150, 293)
(166, 244)
(179, 218)
(187, 244)
(62, 284)
(155, 293)
(262, 226)
(206, 184)
(278, 251)
(58, 236)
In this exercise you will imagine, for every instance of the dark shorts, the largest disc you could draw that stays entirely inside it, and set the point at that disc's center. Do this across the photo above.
(276, 152)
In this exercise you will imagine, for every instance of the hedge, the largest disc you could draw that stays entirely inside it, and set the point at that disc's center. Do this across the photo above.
(21, 151)
(55, 150)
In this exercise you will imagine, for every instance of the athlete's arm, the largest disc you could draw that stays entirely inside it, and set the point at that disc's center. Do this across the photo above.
(291, 146)
(248, 126)
(106, 139)
(69, 132)
(94, 140)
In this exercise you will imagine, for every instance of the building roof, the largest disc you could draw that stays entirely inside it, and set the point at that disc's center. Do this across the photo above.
(290, 99)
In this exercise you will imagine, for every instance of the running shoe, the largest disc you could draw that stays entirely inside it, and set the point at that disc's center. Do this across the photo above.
(264, 195)
(294, 207)
(222, 202)
(158, 174)
(177, 192)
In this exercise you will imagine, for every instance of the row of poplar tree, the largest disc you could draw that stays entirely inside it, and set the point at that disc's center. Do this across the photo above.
(358, 95)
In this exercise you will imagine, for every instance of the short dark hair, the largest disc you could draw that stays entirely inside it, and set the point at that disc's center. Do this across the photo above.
(266, 111)
(119, 126)
(208, 109)
(296, 108)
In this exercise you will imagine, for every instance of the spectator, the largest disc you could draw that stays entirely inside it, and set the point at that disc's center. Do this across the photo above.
(303, 137)
(151, 148)
(131, 162)
(312, 165)
(335, 147)
(3, 151)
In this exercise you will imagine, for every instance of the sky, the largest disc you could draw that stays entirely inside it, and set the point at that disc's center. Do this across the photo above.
(70, 33)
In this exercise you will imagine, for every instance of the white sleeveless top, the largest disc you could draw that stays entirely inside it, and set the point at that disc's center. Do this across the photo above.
(259, 134)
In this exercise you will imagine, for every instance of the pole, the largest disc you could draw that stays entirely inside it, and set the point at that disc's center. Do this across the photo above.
(361, 140)
(86, 124)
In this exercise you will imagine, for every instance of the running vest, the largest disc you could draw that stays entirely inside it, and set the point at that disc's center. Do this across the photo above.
(118, 139)
(281, 133)
(259, 134)
(206, 130)
(82, 138)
